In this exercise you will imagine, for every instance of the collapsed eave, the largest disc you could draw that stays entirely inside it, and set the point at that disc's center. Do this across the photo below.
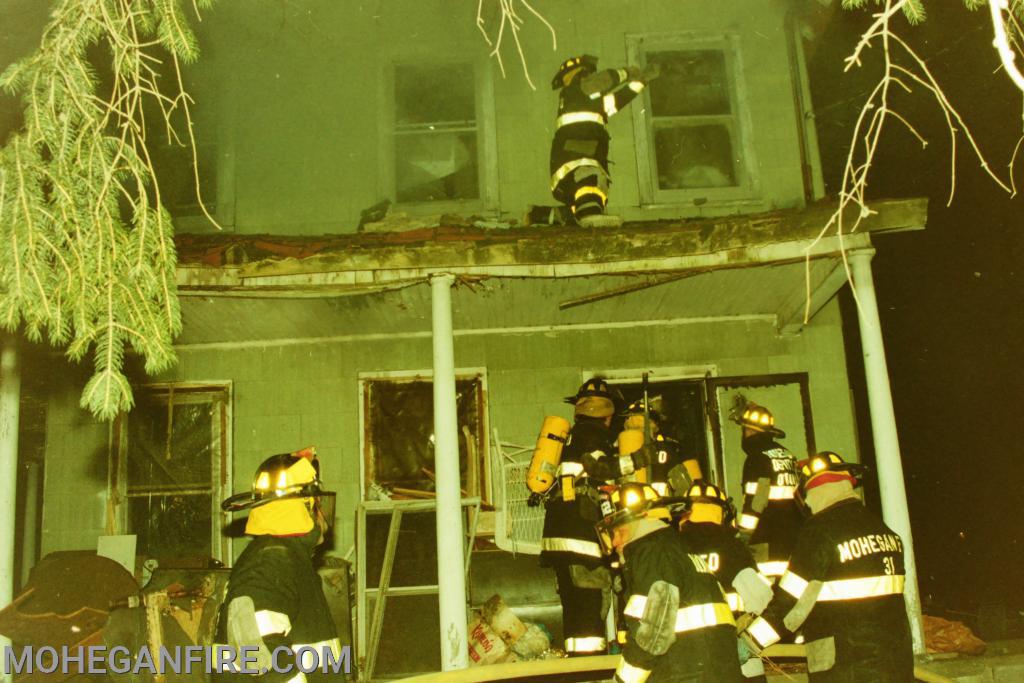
(228, 263)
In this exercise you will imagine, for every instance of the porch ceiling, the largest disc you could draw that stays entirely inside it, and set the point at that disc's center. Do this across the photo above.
(776, 291)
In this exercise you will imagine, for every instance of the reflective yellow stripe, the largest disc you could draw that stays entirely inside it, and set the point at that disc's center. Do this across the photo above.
(774, 492)
(661, 487)
(748, 521)
(702, 616)
(793, 584)
(867, 587)
(763, 632)
(636, 86)
(570, 469)
(609, 105)
(735, 601)
(631, 674)
(591, 189)
(571, 545)
(570, 166)
(579, 117)
(776, 568)
(268, 622)
(621, 637)
(585, 644)
(687, 618)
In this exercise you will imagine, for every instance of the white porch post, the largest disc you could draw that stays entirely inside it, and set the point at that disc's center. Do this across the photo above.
(883, 429)
(10, 396)
(451, 577)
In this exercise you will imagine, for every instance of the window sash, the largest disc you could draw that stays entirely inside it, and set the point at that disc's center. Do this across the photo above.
(219, 484)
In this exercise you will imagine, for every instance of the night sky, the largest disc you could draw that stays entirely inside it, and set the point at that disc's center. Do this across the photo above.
(951, 300)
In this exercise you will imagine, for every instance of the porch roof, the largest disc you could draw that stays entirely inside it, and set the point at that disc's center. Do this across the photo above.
(519, 280)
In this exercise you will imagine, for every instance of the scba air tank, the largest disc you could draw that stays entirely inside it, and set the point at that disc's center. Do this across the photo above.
(548, 454)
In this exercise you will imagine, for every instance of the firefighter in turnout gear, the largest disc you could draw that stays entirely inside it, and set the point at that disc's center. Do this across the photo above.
(771, 516)
(275, 598)
(844, 586)
(706, 528)
(680, 627)
(569, 544)
(668, 472)
(579, 152)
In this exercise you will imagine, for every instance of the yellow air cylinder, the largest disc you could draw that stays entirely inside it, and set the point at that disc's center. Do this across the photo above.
(693, 469)
(630, 441)
(547, 454)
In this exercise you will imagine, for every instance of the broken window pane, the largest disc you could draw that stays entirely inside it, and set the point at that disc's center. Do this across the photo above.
(171, 525)
(433, 166)
(435, 137)
(694, 156)
(692, 83)
(400, 430)
(695, 130)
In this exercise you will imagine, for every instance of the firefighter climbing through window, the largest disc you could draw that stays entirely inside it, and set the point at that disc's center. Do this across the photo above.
(587, 98)
(571, 481)
(844, 586)
(771, 517)
(275, 597)
(680, 627)
(706, 528)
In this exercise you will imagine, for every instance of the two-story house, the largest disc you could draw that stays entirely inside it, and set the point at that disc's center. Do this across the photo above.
(302, 327)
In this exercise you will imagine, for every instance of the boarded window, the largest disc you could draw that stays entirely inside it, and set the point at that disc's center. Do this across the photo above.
(171, 472)
(435, 135)
(694, 124)
(399, 434)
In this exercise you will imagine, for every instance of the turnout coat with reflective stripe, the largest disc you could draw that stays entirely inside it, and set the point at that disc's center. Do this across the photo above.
(288, 597)
(569, 533)
(723, 552)
(844, 591)
(580, 136)
(705, 644)
(770, 512)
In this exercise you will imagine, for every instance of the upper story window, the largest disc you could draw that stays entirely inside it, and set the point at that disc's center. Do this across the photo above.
(694, 135)
(438, 134)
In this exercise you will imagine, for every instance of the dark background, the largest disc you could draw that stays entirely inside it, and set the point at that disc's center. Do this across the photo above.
(951, 300)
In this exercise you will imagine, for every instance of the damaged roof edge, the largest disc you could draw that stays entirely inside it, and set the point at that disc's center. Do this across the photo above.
(361, 262)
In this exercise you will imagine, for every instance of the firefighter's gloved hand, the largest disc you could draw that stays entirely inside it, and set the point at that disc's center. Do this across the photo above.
(753, 589)
(651, 71)
(534, 500)
(645, 455)
(748, 643)
(744, 650)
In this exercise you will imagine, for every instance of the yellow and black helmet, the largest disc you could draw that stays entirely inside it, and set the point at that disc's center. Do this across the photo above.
(627, 503)
(708, 503)
(569, 68)
(761, 419)
(634, 413)
(285, 493)
(596, 398)
(826, 467)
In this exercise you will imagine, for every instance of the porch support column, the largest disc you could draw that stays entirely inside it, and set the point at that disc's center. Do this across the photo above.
(451, 577)
(10, 396)
(883, 429)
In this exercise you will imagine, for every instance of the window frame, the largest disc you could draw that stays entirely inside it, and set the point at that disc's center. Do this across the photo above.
(748, 191)
(220, 479)
(486, 140)
(483, 408)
